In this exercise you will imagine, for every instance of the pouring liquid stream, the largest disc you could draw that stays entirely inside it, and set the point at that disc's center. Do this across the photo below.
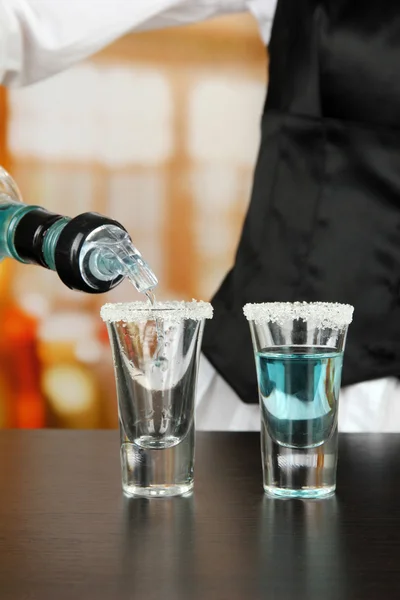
(116, 254)
(160, 359)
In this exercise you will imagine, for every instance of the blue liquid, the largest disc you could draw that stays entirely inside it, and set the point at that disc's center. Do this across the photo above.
(10, 212)
(299, 390)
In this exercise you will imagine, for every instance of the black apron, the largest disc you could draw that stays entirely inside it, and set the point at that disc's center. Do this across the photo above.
(324, 218)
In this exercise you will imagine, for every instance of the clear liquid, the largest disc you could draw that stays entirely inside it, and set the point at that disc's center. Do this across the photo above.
(299, 389)
(151, 297)
(160, 359)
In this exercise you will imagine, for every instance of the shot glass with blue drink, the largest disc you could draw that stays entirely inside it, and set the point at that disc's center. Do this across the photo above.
(298, 351)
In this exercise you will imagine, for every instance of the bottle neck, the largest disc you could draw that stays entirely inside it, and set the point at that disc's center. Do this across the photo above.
(10, 215)
(33, 235)
(50, 241)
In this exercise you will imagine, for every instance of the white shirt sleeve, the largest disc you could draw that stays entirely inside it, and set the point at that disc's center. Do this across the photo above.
(264, 12)
(39, 38)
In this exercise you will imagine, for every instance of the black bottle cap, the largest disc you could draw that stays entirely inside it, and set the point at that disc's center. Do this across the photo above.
(68, 250)
(29, 235)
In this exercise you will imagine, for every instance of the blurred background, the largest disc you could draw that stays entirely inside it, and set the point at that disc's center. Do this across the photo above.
(158, 131)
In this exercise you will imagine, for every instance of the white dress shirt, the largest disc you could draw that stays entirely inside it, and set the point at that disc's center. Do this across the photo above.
(39, 38)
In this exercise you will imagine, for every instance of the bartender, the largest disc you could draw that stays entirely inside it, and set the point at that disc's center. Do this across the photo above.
(324, 218)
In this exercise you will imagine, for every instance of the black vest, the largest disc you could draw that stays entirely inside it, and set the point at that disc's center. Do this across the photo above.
(324, 218)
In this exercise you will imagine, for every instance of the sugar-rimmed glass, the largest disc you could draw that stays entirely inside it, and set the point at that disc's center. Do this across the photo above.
(156, 356)
(298, 351)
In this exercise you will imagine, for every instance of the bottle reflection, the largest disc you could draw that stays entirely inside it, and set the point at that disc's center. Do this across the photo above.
(301, 550)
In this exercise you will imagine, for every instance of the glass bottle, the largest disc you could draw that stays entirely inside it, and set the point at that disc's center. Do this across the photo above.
(90, 253)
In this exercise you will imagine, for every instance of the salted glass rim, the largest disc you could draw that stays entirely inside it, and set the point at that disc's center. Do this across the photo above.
(321, 314)
(196, 310)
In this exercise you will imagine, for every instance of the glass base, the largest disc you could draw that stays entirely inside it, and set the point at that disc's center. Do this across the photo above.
(157, 491)
(295, 472)
(316, 493)
(158, 472)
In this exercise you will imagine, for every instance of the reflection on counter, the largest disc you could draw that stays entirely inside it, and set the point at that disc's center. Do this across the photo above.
(311, 553)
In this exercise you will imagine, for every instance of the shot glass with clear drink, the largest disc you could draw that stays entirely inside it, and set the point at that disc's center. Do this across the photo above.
(156, 352)
(298, 351)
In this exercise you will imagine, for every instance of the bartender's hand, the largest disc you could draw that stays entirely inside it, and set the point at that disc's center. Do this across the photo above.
(39, 38)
